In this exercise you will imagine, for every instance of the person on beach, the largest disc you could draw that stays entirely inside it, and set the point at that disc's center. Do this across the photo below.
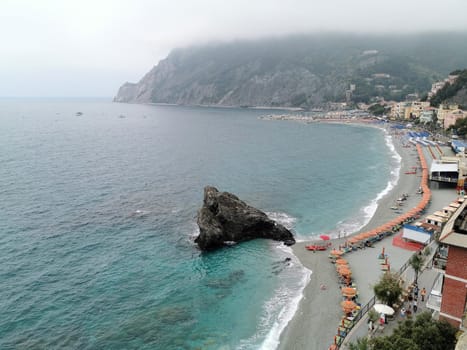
(381, 320)
(423, 293)
(415, 306)
(403, 312)
(370, 325)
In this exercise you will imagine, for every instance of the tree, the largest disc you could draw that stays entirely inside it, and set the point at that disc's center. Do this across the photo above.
(460, 126)
(388, 289)
(427, 333)
(361, 344)
(377, 109)
(421, 334)
(392, 343)
(416, 261)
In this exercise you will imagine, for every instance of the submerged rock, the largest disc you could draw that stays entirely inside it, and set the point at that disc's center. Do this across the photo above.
(225, 218)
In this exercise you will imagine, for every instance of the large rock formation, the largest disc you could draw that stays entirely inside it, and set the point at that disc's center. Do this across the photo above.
(224, 218)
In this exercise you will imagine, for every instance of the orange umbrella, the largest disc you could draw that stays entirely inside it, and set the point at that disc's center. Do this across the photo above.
(387, 226)
(349, 292)
(353, 240)
(336, 252)
(348, 305)
(344, 272)
(341, 261)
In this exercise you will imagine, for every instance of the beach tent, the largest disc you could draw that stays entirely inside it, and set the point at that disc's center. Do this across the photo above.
(416, 234)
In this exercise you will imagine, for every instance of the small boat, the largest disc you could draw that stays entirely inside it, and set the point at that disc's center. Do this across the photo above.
(315, 247)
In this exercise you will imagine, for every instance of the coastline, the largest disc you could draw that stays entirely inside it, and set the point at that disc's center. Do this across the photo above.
(318, 314)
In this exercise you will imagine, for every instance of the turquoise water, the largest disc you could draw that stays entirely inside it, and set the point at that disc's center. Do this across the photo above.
(98, 216)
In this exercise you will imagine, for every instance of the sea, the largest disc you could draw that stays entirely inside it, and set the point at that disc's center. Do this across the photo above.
(98, 206)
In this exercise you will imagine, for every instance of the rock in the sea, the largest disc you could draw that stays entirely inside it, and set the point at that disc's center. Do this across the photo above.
(225, 218)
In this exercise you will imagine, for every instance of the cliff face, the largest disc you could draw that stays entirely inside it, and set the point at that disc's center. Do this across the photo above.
(297, 71)
(245, 85)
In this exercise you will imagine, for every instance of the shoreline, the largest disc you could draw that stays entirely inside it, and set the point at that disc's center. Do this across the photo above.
(314, 326)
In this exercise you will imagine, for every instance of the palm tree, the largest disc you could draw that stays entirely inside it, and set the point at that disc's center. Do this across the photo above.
(416, 261)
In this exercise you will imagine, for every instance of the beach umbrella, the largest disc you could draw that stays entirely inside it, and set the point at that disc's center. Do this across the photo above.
(348, 291)
(341, 261)
(342, 268)
(353, 240)
(384, 309)
(348, 305)
(325, 237)
(345, 272)
(336, 252)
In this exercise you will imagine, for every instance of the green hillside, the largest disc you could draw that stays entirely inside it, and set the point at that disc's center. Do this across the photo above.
(300, 71)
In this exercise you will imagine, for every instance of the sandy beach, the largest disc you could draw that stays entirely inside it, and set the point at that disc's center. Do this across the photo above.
(315, 323)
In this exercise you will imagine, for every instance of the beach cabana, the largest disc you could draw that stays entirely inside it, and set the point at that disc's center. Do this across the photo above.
(416, 234)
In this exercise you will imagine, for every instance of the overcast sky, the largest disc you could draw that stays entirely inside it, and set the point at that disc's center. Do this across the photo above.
(90, 47)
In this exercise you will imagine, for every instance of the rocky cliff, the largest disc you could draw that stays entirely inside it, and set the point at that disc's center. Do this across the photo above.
(224, 218)
(299, 71)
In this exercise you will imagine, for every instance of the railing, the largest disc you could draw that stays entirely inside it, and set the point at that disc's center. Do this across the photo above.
(440, 263)
(366, 308)
(363, 310)
(434, 302)
(444, 179)
(464, 321)
(440, 258)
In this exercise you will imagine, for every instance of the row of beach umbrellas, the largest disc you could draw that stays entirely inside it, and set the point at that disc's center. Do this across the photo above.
(342, 266)
(406, 216)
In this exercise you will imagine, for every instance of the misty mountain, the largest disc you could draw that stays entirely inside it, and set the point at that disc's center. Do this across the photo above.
(455, 93)
(300, 71)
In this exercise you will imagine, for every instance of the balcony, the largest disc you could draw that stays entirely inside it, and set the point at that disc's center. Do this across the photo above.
(440, 258)
(434, 298)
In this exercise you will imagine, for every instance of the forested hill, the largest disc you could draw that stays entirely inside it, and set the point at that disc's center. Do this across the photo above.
(300, 71)
(455, 93)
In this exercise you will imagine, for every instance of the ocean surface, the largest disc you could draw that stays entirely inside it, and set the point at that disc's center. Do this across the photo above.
(98, 216)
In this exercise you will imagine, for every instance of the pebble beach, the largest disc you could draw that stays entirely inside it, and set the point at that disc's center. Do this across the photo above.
(317, 318)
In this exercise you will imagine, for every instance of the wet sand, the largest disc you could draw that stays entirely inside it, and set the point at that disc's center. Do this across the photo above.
(315, 323)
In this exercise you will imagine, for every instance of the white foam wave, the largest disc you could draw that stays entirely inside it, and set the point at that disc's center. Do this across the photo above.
(367, 212)
(280, 309)
(195, 231)
(282, 218)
